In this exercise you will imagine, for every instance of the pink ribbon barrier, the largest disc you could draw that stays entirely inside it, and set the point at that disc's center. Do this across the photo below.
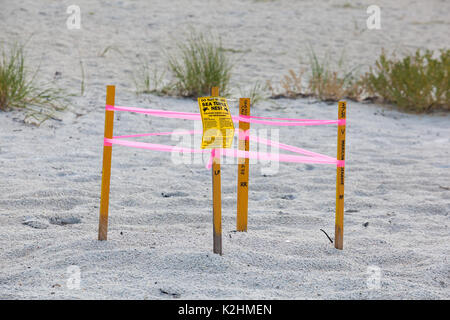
(250, 119)
(225, 152)
(339, 122)
(243, 133)
(313, 157)
(289, 147)
(289, 123)
(158, 113)
(154, 146)
(159, 134)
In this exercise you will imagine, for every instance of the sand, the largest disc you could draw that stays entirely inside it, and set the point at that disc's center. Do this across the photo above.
(160, 227)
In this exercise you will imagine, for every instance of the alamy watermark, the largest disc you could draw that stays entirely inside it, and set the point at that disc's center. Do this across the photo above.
(73, 22)
(374, 278)
(373, 22)
(187, 142)
(73, 277)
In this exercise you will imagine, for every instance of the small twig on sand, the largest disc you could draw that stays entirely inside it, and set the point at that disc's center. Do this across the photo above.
(173, 294)
(327, 235)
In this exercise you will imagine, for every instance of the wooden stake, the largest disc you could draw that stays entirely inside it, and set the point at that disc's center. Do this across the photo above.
(216, 194)
(106, 171)
(243, 168)
(340, 170)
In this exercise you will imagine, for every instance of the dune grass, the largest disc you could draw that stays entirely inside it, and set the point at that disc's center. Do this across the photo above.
(110, 48)
(257, 93)
(19, 89)
(200, 64)
(322, 81)
(293, 85)
(149, 80)
(83, 78)
(330, 84)
(418, 83)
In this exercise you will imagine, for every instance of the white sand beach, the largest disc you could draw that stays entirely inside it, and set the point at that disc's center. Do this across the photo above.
(397, 197)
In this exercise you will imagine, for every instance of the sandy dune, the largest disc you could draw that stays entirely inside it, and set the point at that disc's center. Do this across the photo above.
(160, 232)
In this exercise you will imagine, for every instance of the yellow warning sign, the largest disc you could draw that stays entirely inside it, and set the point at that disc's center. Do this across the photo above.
(218, 127)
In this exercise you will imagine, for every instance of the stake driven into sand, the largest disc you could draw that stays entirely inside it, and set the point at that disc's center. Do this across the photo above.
(340, 171)
(106, 171)
(243, 154)
(243, 167)
(216, 194)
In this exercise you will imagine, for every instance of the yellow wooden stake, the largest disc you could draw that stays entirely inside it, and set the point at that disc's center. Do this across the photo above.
(216, 194)
(106, 171)
(339, 227)
(243, 168)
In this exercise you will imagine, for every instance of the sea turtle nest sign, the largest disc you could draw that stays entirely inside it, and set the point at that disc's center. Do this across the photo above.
(218, 128)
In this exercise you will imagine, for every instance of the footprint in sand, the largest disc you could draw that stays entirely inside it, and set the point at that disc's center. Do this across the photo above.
(34, 223)
(173, 194)
(63, 221)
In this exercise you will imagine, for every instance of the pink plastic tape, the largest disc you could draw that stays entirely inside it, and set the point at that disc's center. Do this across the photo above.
(225, 152)
(339, 122)
(244, 133)
(313, 156)
(160, 134)
(289, 148)
(250, 119)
